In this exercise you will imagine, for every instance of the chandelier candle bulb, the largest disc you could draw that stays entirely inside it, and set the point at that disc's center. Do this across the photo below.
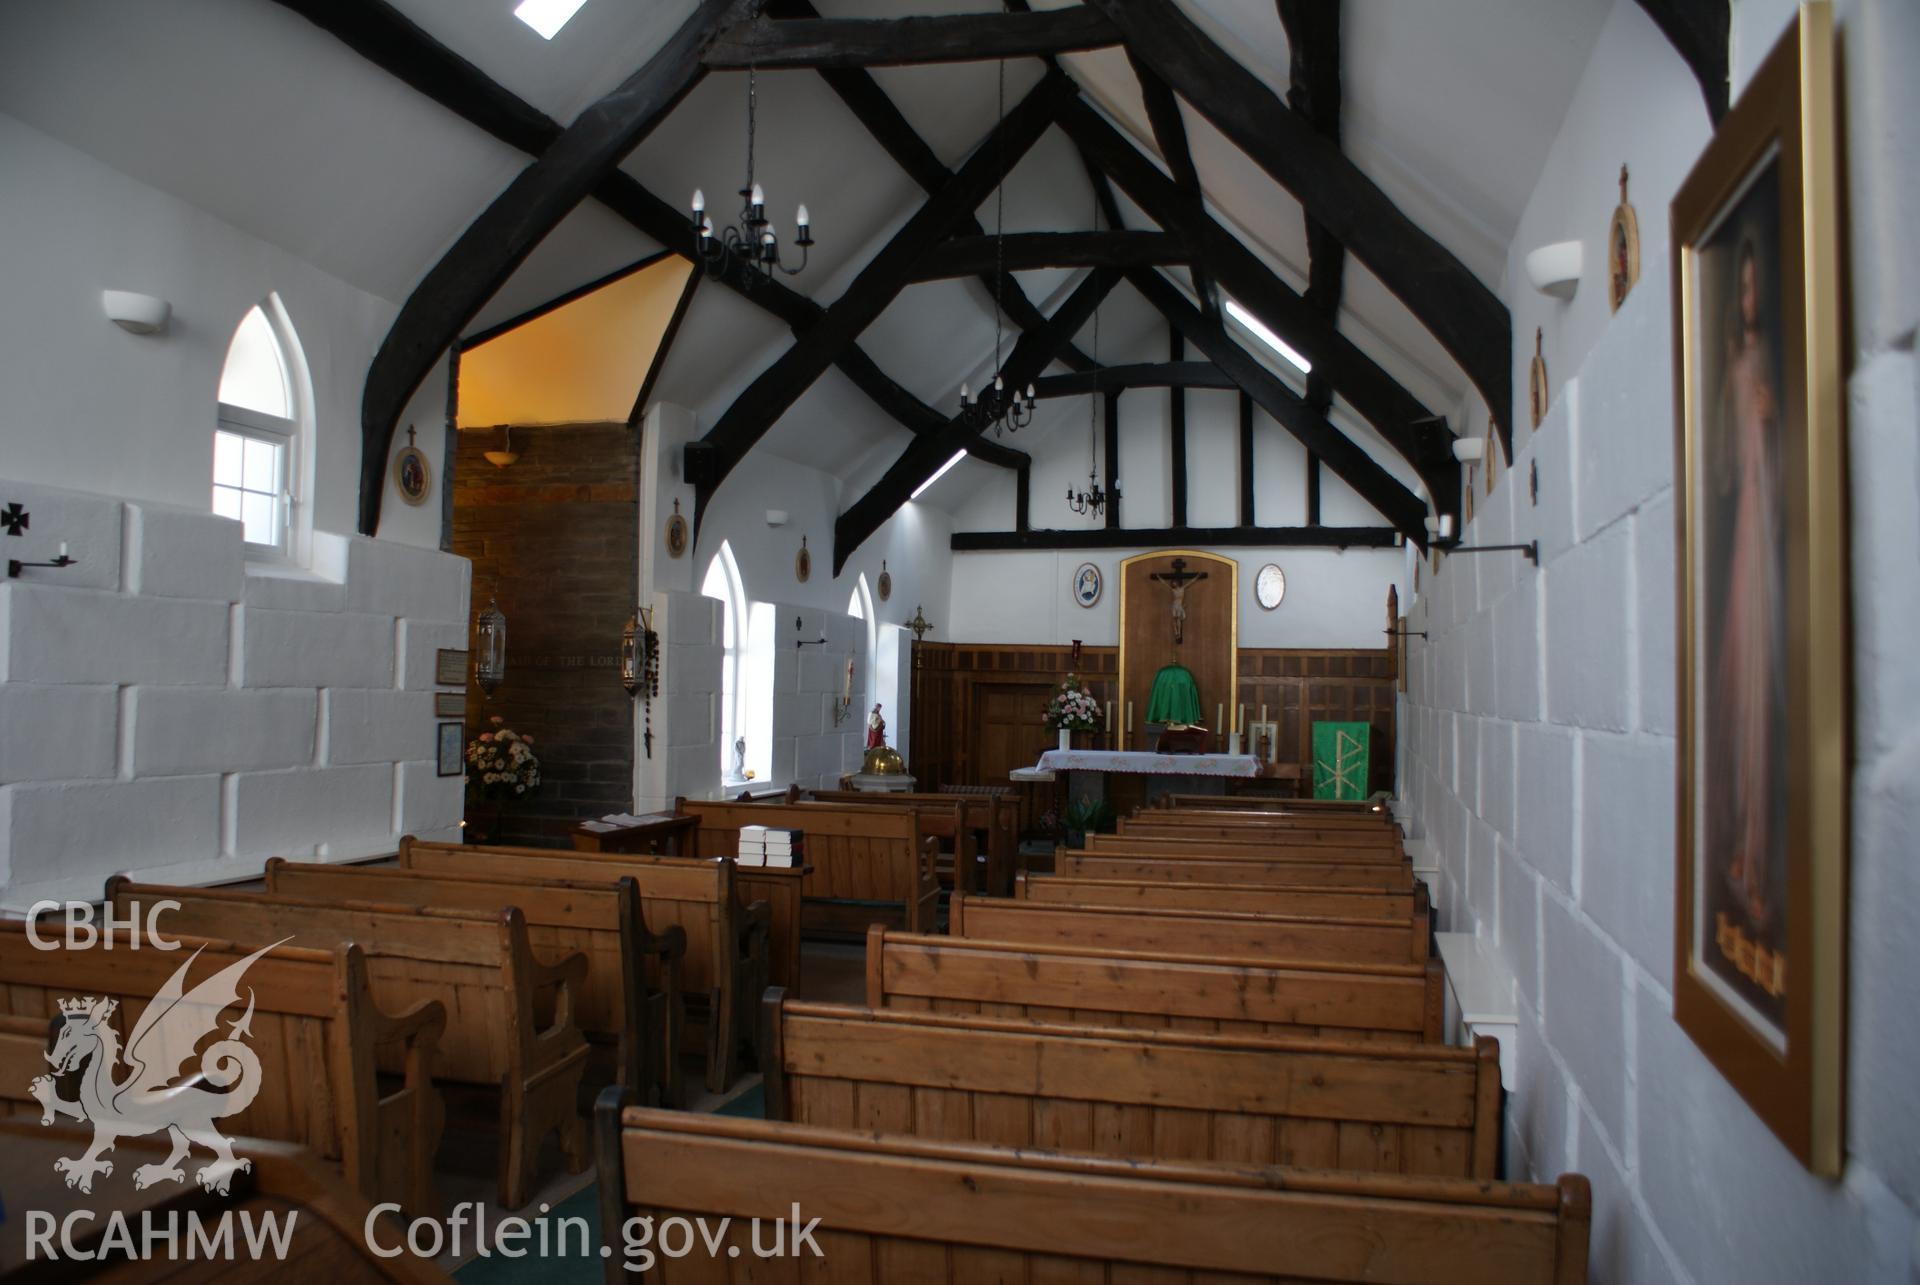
(758, 199)
(699, 201)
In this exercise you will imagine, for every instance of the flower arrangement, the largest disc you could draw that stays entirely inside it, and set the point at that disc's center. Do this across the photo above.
(501, 763)
(1073, 707)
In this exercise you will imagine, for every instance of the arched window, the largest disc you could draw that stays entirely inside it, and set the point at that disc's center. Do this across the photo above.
(257, 457)
(723, 582)
(860, 607)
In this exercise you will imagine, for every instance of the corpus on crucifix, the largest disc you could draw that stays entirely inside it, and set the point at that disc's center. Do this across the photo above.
(1177, 581)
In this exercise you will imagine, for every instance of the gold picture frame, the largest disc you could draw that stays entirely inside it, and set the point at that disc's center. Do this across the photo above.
(1763, 718)
(1623, 249)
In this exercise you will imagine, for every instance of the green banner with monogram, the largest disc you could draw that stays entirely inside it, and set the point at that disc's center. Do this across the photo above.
(1340, 754)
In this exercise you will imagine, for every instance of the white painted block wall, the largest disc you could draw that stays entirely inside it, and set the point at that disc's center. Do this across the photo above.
(1539, 731)
(167, 711)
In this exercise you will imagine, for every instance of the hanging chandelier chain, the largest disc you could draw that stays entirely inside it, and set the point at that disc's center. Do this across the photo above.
(753, 104)
(752, 243)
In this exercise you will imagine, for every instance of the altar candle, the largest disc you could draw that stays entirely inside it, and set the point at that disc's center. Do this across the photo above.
(1109, 718)
(1220, 719)
(1263, 713)
(1129, 718)
(1240, 720)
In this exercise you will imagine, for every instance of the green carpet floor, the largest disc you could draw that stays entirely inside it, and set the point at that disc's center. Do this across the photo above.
(495, 1270)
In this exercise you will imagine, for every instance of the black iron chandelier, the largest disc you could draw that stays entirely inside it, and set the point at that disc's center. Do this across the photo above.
(752, 241)
(996, 407)
(1091, 502)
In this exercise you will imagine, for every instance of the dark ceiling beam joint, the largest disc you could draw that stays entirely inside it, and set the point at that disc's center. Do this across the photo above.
(1291, 537)
(924, 456)
(1170, 135)
(1457, 308)
(1699, 30)
(1394, 502)
(895, 42)
(709, 460)
(974, 255)
(1168, 374)
(1396, 414)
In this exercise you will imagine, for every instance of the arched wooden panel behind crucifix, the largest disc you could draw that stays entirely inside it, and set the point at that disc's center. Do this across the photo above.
(1180, 607)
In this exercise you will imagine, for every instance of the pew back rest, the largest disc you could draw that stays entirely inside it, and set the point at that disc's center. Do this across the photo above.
(1226, 934)
(603, 922)
(1174, 844)
(315, 1029)
(479, 963)
(1389, 1002)
(865, 853)
(1170, 1095)
(1142, 867)
(697, 896)
(23, 1048)
(934, 1212)
(1362, 903)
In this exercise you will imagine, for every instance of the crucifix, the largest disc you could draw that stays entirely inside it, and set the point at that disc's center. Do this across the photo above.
(1177, 581)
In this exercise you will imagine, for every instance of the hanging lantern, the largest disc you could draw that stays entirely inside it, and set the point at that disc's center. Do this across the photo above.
(630, 655)
(490, 647)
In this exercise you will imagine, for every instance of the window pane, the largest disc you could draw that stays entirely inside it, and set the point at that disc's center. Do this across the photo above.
(227, 448)
(226, 502)
(256, 515)
(255, 376)
(262, 472)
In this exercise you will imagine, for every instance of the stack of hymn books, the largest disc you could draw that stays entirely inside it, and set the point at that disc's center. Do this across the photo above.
(765, 845)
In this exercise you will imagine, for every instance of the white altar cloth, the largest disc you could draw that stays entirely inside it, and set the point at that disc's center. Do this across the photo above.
(1146, 763)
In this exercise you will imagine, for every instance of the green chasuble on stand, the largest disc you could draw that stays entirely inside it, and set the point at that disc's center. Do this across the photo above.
(1175, 697)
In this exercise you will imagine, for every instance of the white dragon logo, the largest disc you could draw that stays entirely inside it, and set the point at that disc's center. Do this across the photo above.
(148, 1099)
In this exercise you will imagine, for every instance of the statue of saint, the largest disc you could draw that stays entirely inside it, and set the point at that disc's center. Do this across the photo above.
(740, 759)
(876, 729)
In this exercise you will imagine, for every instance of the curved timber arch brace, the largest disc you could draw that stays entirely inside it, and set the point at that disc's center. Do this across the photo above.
(496, 243)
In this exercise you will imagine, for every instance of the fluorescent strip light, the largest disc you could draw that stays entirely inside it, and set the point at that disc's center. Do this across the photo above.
(1267, 337)
(919, 490)
(547, 16)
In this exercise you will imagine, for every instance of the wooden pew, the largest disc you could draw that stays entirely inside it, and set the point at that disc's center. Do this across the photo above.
(316, 1029)
(615, 1003)
(480, 963)
(1363, 903)
(997, 816)
(897, 1210)
(1222, 933)
(726, 964)
(1392, 876)
(856, 856)
(1397, 1003)
(325, 1224)
(24, 1042)
(1158, 1095)
(1158, 843)
(1345, 808)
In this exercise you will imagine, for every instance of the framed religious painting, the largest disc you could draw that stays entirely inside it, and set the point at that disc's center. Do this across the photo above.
(412, 474)
(1761, 875)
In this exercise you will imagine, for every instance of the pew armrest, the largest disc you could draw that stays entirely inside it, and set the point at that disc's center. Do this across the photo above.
(567, 975)
(756, 950)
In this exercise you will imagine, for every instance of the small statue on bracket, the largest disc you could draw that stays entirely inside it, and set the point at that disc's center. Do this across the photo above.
(876, 729)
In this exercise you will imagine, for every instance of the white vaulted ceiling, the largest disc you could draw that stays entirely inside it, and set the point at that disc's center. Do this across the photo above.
(243, 108)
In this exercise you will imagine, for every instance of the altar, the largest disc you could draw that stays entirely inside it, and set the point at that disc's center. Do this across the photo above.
(1085, 772)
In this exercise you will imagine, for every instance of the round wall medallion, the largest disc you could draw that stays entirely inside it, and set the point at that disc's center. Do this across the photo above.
(885, 585)
(676, 532)
(802, 561)
(1086, 584)
(1269, 586)
(412, 475)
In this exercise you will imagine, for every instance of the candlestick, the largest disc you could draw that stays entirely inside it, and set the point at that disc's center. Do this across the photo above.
(1129, 732)
(1240, 720)
(1220, 720)
(1263, 713)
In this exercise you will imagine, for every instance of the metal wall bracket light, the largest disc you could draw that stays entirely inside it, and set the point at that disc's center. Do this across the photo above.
(1530, 550)
(15, 566)
(490, 647)
(798, 643)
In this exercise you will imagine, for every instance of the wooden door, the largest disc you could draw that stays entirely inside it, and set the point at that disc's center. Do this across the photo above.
(1009, 731)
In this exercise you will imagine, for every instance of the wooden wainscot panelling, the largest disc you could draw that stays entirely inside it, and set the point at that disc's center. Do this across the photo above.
(976, 706)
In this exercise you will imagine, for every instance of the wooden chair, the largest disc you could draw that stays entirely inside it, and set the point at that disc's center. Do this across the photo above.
(1157, 1095)
(316, 1029)
(331, 1232)
(1135, 867)
(1227, 934)
(895, 1209)
(858, 858)
(726, 964)
(1398, 1003)
(480, 963)
(615, 1003)
(1361, 903)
